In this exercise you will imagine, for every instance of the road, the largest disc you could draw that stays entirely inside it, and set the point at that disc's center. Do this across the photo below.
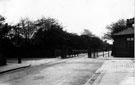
(72, 71)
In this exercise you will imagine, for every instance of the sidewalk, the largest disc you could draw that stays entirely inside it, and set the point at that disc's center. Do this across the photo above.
(12, 64)
(114, 71)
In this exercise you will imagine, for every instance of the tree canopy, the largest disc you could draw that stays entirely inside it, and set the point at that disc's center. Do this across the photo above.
(42, 37)
(118, 26)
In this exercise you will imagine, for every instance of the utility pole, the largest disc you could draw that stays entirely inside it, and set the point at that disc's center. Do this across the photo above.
(18, 45)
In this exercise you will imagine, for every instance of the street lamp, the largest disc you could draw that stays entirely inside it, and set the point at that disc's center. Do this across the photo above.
(17, 43)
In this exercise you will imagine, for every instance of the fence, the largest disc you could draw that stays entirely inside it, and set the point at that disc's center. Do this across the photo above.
(101, 53)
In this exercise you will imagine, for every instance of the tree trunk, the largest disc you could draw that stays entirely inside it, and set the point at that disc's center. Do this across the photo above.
(89, 52)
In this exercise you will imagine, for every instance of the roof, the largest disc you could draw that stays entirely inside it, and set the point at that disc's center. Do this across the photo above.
(127, 31)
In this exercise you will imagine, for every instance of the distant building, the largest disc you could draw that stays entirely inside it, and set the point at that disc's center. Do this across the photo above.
(123, 45)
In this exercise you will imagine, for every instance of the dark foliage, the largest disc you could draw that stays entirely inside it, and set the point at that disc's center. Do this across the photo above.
(118, 26)
(44, 37)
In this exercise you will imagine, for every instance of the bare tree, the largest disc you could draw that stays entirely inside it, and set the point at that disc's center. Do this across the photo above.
(114, 28)
(87, 32)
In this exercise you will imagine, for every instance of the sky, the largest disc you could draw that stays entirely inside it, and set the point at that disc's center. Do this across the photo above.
(75, 15)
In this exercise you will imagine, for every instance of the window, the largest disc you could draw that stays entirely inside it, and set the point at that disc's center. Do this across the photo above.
(130, 39)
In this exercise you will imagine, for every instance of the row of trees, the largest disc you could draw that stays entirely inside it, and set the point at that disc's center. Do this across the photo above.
(44, 37)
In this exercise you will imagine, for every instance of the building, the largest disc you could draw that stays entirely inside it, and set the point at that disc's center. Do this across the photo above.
(123, 45)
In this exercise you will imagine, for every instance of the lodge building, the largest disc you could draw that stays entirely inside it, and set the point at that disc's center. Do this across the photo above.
(123, 45)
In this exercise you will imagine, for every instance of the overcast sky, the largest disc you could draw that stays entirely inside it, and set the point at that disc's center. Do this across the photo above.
(75, 15)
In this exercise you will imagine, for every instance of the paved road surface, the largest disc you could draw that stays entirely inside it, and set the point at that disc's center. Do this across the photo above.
(72, 71)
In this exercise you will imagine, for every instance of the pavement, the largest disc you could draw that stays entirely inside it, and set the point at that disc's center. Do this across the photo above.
(70, 71)
(12, 64)
(114, 71)
(11, 67)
